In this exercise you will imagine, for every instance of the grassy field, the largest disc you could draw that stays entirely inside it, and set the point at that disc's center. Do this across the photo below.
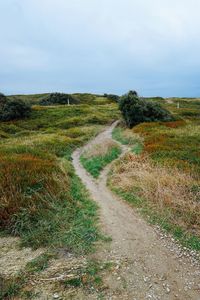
(164, 180)
(42, 200)
(44, 203)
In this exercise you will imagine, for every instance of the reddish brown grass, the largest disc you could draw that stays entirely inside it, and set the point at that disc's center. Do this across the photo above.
(24, 180)
(175, 124)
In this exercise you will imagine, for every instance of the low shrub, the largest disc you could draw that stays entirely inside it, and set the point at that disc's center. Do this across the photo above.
(13, 109)
(2, 99)
(136, 110)
(59, 99)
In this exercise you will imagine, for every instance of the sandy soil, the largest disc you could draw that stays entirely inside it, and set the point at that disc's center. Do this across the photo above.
(149, 264)
(13, 258)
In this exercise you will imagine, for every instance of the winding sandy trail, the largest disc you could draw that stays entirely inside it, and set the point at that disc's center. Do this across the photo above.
(149, 265)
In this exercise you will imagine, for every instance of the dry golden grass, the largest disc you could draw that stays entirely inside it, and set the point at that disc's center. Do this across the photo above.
(126, 136)
(131, 136)
(163, 188)
(100, 149)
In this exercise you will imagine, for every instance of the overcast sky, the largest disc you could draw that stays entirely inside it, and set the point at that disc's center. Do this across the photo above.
(152, 46)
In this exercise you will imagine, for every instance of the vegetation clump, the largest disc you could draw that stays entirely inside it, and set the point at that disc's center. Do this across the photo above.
(13, 109)
(125, 136)
(2, 98)
(96, 158)
(59, 99)
(136, 110)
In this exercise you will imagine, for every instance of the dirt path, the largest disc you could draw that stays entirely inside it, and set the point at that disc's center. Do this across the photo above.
(149, 265)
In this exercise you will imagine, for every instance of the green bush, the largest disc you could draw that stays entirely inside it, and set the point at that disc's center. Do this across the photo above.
(2, 100)
(13, 109)
(136, 110)
(2, 95)
(59, 99)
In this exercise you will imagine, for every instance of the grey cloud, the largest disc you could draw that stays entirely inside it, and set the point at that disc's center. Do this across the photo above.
(100, 46)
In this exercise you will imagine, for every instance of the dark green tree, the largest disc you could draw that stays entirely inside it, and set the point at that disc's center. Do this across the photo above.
(136, 110)
(13, 109)
(2, 99)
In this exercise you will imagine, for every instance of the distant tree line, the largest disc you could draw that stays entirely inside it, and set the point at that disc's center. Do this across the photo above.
(134, 109)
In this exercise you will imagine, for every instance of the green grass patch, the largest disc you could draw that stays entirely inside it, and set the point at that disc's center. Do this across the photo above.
(118, 135)
(95, 165)
(137, 148)
(11, 287)
(40, 263)
(126, 137)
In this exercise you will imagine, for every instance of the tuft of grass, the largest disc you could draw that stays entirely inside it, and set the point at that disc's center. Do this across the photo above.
(95, 164)
(16, 286)
(10, 288)
(90, 276)
(40, 263)
(125, 136)
(137, 148)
